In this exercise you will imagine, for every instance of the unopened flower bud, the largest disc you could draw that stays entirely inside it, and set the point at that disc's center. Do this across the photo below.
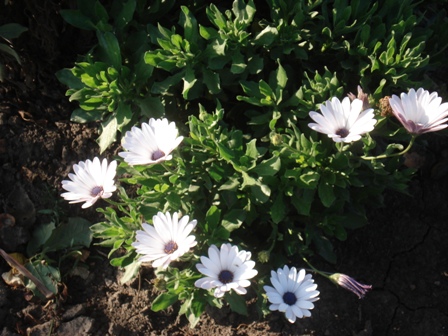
(361, 96)
(263, 256)
(160, 284)
(350, 284)
(276, 139)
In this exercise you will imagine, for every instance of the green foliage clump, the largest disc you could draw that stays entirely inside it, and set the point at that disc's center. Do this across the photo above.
(243, 79)
(162, 58)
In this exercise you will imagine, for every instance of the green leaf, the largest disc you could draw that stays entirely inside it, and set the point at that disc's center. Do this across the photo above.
(302, 201)
(195, 311)
(8, 50)
(11, 30)
(324, 248)
(75, 232)
(66, 76)
(212, 218)
(151, 107)
(237, 303)
(108, 133)
(309, 179)
(211, 80)
(126, 13)
(77, 19)
(188, 22)
(40, 235)
(259, 191)
(189, 81)
(48, 275)
(278, 210)
(130, 272)
(265, 89)
(81, 116)
(216, 17)
(122, 261)
(225, 152)
(238, 63)
(233, 219)
(110, 48)
(251, 149)
(243, 13)
(326, 194)
(266, 37)
(164, 301)
(123, 115)
(268, 167)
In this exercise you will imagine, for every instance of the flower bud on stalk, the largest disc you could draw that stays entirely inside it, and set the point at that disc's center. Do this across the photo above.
(350, 284)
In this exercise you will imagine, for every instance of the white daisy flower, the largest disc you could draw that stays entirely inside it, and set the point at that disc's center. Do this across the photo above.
(226, 269)
(166, 240)
(293, 293)
(151, 144)
(91, 181)
(343, 122)
(420, 112)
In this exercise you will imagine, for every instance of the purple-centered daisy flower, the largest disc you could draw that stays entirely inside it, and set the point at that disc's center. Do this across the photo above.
(343, 121)
(91, 181)
(420, 111)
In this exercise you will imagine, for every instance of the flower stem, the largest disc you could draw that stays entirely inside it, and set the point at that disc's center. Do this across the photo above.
(314, 269)
(168, 169)
(383, 156)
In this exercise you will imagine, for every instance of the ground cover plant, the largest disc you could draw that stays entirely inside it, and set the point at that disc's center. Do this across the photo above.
(233, 153)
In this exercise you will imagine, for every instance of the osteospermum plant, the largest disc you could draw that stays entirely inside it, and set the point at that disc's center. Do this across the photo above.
(275, 166)
(229, 185)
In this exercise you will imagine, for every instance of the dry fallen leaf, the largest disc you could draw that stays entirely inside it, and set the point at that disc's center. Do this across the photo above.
(26, 116)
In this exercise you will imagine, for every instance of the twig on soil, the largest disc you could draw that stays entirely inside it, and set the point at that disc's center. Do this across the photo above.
(40, 286)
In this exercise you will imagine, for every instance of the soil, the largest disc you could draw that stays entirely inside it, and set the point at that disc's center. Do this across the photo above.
(402, 252)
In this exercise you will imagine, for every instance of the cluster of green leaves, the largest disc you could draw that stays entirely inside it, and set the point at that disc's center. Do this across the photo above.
(52, 243)
(292, 195)
(111, 82)
(156, 58)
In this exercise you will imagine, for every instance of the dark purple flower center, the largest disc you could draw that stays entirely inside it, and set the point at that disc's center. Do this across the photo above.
(289, 298)
(170, 247)
(342, 132)
(158, 154)
(225, 276)
(96, 191)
